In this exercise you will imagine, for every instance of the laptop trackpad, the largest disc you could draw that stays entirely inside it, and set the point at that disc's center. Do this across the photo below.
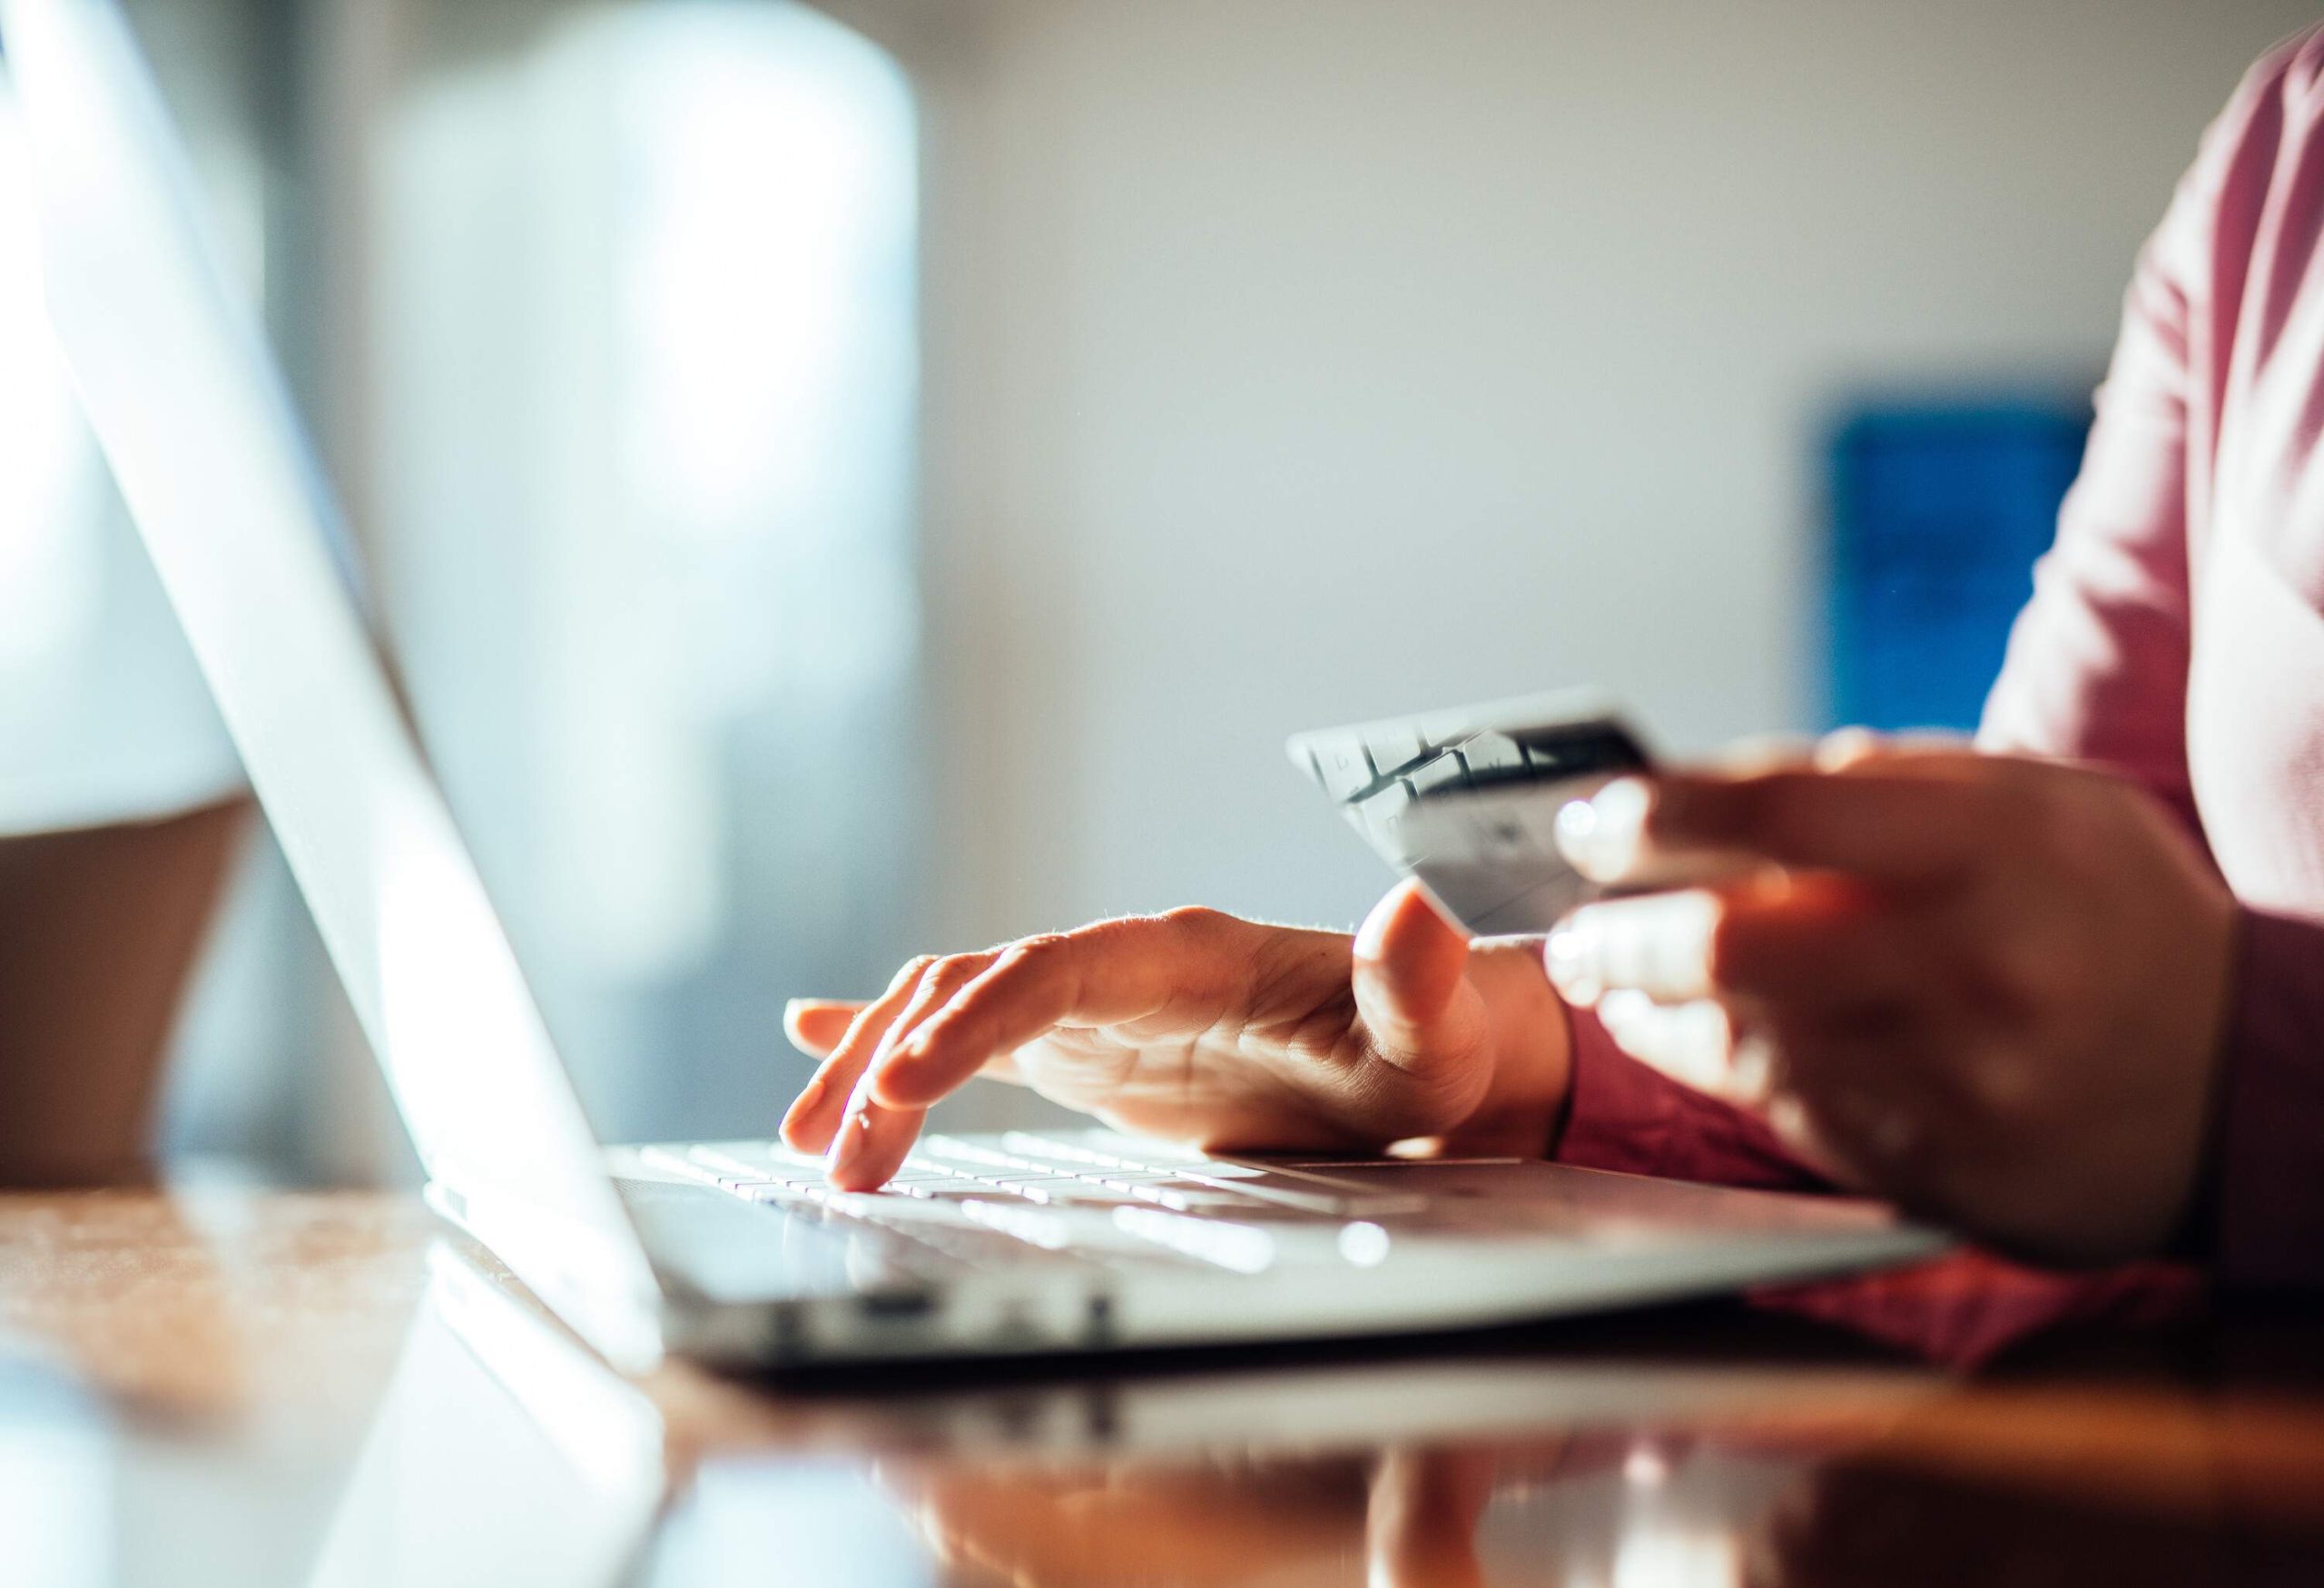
(728, 1250)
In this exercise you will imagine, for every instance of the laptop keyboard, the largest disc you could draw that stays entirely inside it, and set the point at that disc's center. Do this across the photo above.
(1096, 1171)
(1094, 1196)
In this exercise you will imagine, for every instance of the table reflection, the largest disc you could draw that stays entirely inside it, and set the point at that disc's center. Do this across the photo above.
(1508, 1465)
(502, 1454)
(1546, 1511)
(183, 1378)
(387, 1409)
(1553, 1469)
(57, 1479)
(1555, 1509)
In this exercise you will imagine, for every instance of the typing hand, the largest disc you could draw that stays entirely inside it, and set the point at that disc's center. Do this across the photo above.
(1200, 1027)
(1991, 988)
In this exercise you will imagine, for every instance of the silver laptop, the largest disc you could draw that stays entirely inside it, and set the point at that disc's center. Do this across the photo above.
(734, 1251)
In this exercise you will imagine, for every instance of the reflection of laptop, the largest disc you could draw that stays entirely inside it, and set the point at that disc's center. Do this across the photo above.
(734, 1252)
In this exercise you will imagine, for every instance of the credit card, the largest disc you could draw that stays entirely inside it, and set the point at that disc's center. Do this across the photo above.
(1467, 799)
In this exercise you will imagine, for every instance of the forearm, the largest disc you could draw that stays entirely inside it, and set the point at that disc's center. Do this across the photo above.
(98, 933)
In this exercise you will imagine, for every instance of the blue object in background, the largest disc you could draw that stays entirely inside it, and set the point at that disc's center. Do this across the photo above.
(1937, 515)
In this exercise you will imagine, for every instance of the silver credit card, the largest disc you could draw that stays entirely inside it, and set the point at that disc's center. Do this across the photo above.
(1467, 800)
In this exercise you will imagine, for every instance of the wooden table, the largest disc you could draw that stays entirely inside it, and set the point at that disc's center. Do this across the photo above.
(251, 1388)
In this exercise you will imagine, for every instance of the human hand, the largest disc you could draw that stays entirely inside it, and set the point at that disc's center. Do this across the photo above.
(1989, 987)
(1200, 1027)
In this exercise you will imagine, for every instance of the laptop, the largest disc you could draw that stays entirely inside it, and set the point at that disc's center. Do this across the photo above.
(734, 1252)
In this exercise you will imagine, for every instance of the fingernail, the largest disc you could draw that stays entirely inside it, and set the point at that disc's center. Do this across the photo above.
(1571, 957)
(1600, 836)
(794, 1012)
(809, 1096)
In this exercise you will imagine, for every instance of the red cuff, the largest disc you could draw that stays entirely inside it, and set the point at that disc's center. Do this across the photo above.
(1624, 1115)
(2267, 1189)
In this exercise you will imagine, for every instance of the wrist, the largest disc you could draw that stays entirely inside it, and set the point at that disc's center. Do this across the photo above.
(1533, 1043)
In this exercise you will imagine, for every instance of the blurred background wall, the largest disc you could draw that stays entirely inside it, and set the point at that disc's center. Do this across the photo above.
(852, 481)
(1301, 362)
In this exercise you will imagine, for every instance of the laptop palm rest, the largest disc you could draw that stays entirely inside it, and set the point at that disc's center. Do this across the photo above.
(726, 1250)
(1527, 1192)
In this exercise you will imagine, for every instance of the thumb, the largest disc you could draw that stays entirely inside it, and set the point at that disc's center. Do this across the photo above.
(1411, 969)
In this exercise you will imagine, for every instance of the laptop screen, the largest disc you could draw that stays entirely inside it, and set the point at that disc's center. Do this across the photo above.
(195, 420)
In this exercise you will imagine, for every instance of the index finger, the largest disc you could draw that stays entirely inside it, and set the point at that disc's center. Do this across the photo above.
(1110, 973)
(1899, 826)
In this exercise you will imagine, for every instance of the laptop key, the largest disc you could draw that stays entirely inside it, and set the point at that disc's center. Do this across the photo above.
(937, 1188)
(1492, 754)
(1123, 1179)
(679, 1163)
(1184, 1197)
(1069, 1193)
(1394, 747)
(951, 1150)
(783, 1191)
(915, 1174)
(1060, 1157)
(1343, 767)
(1448, 774)
(746, 1160)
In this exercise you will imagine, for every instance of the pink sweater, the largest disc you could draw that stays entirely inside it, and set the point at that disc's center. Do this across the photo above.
(2176, 633)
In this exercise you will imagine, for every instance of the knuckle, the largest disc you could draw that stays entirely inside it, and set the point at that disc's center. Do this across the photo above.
(1196, 919)
(953, 969)
(1029, 955)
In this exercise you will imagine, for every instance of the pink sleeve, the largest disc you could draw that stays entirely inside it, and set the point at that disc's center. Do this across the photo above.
(1622, 1115)
(2098, 660)
(2097, 663)
(2096, 671)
